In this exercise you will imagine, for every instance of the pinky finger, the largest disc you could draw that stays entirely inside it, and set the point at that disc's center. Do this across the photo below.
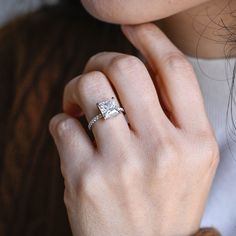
(73, 144)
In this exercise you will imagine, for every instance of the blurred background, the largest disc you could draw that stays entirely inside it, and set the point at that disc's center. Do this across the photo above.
(39, 53)
(12, 8)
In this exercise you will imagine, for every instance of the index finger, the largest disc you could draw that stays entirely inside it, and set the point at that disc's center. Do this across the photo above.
(180, 89)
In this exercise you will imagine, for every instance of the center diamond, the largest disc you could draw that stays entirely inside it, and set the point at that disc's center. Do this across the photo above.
(108, 108)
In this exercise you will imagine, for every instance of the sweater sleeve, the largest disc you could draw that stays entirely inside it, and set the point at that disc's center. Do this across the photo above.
(207, 232)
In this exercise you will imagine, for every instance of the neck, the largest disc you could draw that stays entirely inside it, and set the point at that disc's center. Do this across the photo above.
(206, 31)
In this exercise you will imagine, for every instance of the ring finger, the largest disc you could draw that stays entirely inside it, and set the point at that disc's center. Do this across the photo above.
(136, 90)
(85, 92)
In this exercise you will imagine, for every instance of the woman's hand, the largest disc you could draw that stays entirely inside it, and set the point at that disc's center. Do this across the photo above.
(151, 176)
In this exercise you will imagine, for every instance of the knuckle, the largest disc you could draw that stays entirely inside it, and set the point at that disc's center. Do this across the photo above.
(90, 82)
(177, 61)
(211, 161)
(213, 151)
(126, 63)
(168, 144)
(210, 150)
(92, 182)
(93, 58)
(132, 172)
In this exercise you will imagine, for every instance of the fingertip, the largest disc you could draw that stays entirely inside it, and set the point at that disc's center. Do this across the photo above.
(129, 30)
(124, 27)
(52, 123)
(69, 133)
(139, 34)
(61, 126)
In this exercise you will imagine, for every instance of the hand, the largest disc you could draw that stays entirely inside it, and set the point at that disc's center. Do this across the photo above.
(153, 175)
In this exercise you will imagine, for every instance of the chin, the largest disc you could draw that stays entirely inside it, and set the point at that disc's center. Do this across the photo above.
(136, 11)
(117, 11)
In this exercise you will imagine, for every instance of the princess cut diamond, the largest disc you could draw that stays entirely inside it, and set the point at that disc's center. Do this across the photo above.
(108, 108)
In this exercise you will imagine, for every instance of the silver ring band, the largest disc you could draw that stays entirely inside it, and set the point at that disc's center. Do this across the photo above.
(108, 109)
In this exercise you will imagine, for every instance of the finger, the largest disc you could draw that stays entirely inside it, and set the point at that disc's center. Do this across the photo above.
(135, 88)
(180, 90)
(73, 144)
(86, 91)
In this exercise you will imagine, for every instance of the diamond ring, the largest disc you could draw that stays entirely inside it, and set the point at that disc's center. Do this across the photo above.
(108, 108)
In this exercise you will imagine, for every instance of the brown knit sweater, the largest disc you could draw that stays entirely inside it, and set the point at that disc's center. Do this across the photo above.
(39, 54)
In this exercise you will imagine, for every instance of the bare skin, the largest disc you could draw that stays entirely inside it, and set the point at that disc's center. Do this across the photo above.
(186, 22)
(200, 31)
(150, 176)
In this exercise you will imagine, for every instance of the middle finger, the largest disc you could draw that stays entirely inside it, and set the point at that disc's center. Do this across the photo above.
(135, 88)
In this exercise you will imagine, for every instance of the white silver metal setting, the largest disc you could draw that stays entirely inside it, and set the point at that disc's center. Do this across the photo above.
(108, 109)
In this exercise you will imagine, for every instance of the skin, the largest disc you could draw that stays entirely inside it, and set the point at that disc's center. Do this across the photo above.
(200, 32)
(132, 11)
(151, 176)
(190, 24)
